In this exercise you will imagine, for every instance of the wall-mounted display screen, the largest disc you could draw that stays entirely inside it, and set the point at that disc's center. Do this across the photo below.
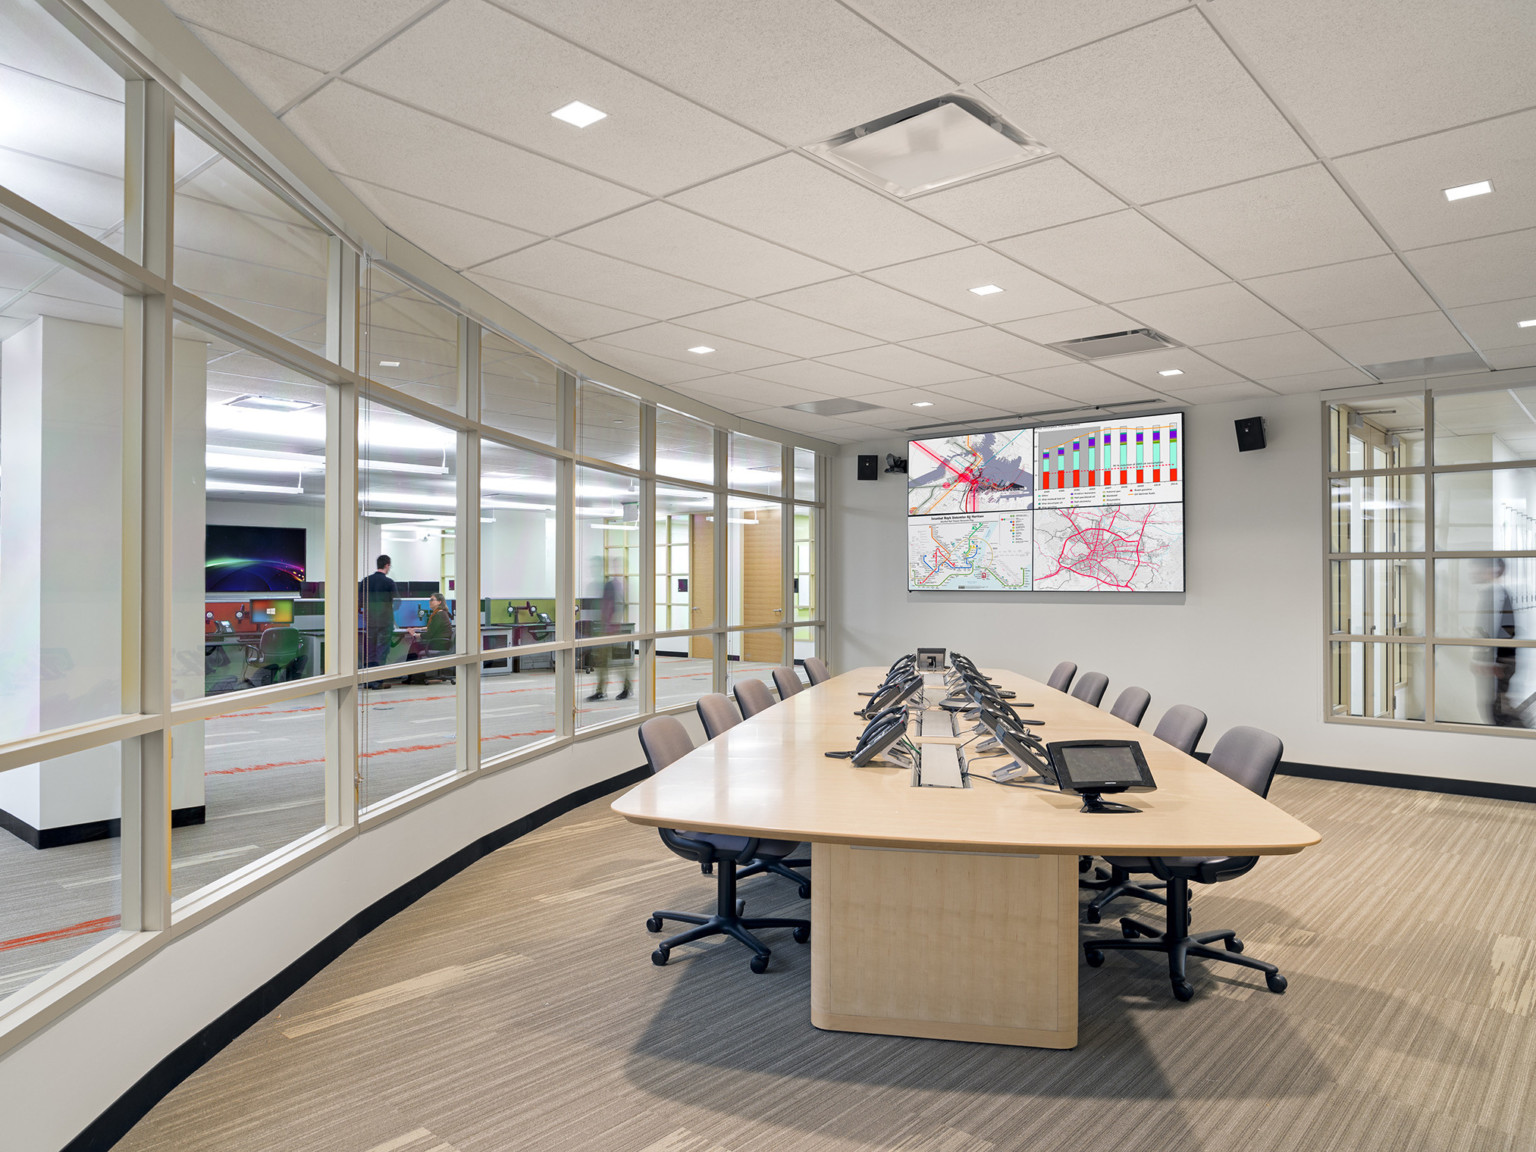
(243, 558)
(1093, 506)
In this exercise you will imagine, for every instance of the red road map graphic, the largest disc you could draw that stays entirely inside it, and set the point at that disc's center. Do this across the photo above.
(1121, 549)
(968, 485)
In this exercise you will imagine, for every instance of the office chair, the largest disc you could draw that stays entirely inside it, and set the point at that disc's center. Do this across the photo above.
(719, 715)
(1250, 757)
(1131, 705)
(752, 696)
(1061, 676)
(817, 671)
(1181, 726)
(787, 681)
(279, 656)
(665, 740)
(1090, 689)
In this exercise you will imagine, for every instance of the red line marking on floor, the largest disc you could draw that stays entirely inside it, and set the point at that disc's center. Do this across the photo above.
(84, 928)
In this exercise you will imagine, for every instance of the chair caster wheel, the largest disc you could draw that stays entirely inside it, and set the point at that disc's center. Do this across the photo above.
(653, 924)
(1091, 915)
(1234, 945)
(1094, 957)
(802, 935)
(759, 964)
(1277, 982)
(1183, 990)
(1129, 930)
(805, 891)
(707, 868)
(659, 957)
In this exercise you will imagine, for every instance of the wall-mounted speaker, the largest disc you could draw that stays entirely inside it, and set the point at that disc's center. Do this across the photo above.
(869, 467)
(1250, 434)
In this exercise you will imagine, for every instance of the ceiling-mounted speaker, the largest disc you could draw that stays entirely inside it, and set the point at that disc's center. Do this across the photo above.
(1250, 434)
(869, 467)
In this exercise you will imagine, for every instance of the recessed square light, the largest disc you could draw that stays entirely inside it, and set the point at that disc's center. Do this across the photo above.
(1481, 188)
(922, 403)
(701, 350)
(986, 290)
(1171, 372)
(1525, 324)
(578, 114)
(389, 363)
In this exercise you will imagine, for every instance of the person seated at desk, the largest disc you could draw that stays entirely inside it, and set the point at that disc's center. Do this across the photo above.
(435, 640)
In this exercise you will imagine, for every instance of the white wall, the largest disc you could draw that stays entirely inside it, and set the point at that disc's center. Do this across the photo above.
(517, 555)
(1244, 642)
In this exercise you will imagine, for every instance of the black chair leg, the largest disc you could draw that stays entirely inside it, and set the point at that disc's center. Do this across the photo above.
(778, 868)
(726, 921)
(1116, 885)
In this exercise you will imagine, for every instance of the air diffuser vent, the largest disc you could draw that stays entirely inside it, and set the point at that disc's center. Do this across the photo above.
(1114, 344)
(837, 407)
(1428, 366)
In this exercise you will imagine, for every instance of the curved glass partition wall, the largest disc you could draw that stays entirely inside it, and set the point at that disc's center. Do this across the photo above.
(290, 544)
(1432, 560)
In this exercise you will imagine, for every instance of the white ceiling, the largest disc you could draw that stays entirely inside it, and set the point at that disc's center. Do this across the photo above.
(1261, 180)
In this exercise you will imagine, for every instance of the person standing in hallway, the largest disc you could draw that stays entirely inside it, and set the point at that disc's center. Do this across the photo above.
(608, 654)
(1495, 666)
(376, 595)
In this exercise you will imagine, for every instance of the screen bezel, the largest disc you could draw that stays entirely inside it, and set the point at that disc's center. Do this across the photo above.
(1060, 757)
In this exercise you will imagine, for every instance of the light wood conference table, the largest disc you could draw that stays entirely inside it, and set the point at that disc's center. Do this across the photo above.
(944, 912)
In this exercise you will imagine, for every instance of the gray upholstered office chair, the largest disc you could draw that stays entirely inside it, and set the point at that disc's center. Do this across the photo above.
(665, 739)
(787, 681)
(817, 671)
(1061, 676)
(1249, 756)
(1131, 705)
(753, 697)
(717, 714)
(1181, 726)
(1090, 689)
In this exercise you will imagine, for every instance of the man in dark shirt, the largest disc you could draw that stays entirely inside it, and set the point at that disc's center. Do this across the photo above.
(376, 597)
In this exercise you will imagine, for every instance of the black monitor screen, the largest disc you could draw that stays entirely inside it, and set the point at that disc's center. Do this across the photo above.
(243, 558)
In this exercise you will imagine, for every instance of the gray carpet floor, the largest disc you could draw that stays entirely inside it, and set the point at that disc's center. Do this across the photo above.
(515, 1008)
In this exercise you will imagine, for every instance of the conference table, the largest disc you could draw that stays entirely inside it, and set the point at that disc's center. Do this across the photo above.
(947, 913)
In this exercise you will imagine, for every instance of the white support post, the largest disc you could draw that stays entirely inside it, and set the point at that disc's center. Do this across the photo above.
(343, 779)
(645, 658)
(466, 565)
(565, 556)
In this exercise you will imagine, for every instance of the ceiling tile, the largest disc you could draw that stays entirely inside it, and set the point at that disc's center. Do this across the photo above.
(1317, 381)
(1397, 338)
(323, 36)
(947, 280)
(864, 306)
(666, 238)
(762, 324)
(1288, 354)
(799, 70)
(1072, 325)
(1481, 271)
(568, 317)
(982, 38)
(657, 369)
(1352, 74)
(1039, 195)
(939, 406)
(1082, 383)
(1004, 395)
(794, 201)
(1403, 185)
(899, 365)
(1208, 315)
(1492, 326)
(1195, 371)
(359, 134)
(1522, 356)
(556, 266)
(1277, 223)
(989, 350)
(745, 393)
(827, 379)
(674, 340)
(454, 237)
(1345, 293)
(1154, 112)
(454, 63)
(834, 428)
(1224, 393)
(275, 81)
(1120, 257)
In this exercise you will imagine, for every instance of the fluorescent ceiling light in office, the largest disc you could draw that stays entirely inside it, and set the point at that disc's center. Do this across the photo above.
(701, 350)
(1481, 188)
(270, 403)
(260, 460)
(987, 290)
(929, 145)
(232, 486)
(389, 363)
(1525, 324)
(579, 114)
(922, 403)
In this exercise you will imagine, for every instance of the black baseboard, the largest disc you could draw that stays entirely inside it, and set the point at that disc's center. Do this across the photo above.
(90, 830)
(1442, 784)
(134, 1104)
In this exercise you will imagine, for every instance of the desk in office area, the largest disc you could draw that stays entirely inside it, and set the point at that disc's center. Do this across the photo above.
(945, 913)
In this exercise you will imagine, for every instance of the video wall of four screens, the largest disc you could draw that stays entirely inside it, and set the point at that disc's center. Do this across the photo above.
(1084, 507)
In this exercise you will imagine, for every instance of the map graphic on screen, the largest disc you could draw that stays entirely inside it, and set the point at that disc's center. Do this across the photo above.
(1084, 507)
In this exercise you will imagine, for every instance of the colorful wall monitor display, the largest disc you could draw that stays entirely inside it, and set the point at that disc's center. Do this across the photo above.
(241, 558)
(1093, 506)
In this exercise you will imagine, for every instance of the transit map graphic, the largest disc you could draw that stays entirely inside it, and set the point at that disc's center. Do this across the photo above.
(989, 472)
(1086, 507)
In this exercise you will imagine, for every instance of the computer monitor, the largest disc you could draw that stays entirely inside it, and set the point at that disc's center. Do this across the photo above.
(412, 613)
(1093, 767)
(271, 611)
